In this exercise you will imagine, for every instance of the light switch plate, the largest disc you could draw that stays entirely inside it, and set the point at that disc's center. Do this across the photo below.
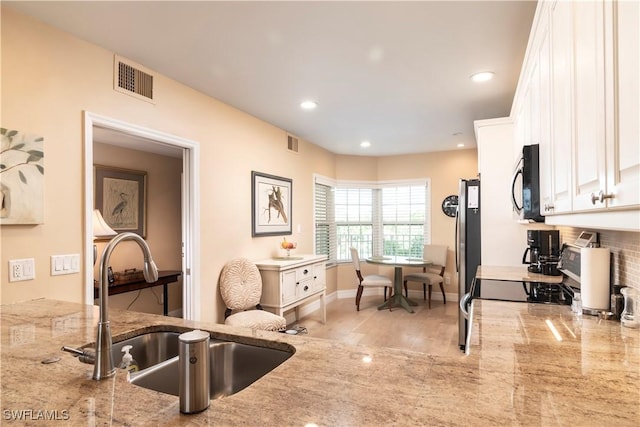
(22, 269)
(65, 264)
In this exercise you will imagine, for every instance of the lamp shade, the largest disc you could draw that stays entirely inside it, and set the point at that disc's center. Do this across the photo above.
(100, 227)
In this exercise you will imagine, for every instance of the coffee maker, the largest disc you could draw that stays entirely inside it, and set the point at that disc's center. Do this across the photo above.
(544, 252)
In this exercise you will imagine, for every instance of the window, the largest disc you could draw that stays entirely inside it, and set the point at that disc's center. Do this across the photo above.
(324, 221)
(391, 218)
(354, 221)
(404, 212)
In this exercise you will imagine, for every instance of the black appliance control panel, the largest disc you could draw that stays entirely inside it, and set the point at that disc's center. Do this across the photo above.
(570, 261)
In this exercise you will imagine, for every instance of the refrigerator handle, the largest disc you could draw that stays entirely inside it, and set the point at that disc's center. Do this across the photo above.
(456, 238)
(464, 303)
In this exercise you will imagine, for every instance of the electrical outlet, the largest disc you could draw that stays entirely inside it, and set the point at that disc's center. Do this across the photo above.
(447, 279)
(22, 269)
(17, 271)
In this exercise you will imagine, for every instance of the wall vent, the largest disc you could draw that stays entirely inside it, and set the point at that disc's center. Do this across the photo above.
(292, 143)
(132, 79)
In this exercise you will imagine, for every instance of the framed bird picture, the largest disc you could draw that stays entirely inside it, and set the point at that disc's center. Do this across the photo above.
(120, 196)
(270, 204)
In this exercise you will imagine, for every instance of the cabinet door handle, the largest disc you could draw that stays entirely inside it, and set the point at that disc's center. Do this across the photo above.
(306, 288)
(315, 277)
(305, 271)
(600, 197)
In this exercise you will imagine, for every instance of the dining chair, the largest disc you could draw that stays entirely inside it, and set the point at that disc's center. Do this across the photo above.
(370, 280)
(431, 274)
(241, 290)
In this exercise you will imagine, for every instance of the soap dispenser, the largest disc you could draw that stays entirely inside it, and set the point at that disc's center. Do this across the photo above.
(128, 362)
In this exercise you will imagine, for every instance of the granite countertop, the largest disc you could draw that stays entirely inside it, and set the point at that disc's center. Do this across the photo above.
(589, 378)
(517, 273)
(541, 364)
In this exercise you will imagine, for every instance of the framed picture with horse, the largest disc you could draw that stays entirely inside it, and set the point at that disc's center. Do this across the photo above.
(270, 204)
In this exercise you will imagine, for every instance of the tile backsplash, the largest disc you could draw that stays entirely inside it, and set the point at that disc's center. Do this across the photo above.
(625, 250)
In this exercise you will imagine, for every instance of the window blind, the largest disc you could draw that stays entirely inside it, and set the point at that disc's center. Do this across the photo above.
(324, 222)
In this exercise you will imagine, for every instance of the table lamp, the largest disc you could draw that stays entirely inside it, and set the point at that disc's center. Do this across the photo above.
(101, 230)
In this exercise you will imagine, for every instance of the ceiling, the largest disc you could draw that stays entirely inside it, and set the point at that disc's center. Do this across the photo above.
(392, 73)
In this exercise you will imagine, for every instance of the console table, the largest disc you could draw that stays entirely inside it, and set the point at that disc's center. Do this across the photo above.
(121, 286)
(288, 282)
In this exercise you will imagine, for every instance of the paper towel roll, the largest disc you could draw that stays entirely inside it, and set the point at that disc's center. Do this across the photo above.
(594, 278)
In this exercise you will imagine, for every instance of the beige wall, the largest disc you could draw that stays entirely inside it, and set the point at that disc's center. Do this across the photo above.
(49, 78)
(444, 168)
(163, 227)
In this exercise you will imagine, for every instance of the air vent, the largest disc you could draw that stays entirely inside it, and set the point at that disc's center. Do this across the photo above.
(292, 143)
(132, 79)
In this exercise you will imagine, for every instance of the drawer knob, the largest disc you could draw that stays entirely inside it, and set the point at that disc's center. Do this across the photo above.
(305, 271)
(306, 288)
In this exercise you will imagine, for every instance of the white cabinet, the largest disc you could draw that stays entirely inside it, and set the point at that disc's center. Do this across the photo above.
(289, 283)
(623, 90)
(498, 220)
(560, 24)
(579, 98)
(588, 103)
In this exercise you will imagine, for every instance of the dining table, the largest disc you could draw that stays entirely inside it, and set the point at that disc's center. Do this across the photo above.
(398, 262)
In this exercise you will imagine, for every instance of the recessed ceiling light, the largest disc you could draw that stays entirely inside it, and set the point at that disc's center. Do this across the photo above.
(308, 105)
(460, 145)
(365, 144)
(482, 77)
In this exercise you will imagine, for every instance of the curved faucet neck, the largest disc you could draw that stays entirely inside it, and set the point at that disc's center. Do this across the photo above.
(104, 366)
(150, 270)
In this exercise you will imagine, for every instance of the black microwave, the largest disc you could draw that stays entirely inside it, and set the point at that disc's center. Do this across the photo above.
(525, 184)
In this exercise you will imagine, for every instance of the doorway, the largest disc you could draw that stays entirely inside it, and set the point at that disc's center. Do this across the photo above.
(158, 142)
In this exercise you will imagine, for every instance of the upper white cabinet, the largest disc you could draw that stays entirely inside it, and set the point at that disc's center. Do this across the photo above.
(560, 112)
(588, 103)
(579, 98)
(622, 26)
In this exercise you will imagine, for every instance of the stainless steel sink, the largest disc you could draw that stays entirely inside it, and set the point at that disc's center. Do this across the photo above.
(234, 366)
(149, 348)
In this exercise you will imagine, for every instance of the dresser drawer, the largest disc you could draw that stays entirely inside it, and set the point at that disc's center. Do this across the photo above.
(304, 273)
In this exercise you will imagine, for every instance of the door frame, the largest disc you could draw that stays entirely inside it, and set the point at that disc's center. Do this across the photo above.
(190, 205)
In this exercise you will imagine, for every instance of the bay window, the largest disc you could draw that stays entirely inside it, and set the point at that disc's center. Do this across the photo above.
(377, 218)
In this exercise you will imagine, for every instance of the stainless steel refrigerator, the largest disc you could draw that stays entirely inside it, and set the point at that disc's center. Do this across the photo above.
(467, 246)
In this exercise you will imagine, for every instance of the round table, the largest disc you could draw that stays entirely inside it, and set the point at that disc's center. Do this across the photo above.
(397, 299)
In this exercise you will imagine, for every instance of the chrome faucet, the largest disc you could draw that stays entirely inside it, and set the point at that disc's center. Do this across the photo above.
(103, 366)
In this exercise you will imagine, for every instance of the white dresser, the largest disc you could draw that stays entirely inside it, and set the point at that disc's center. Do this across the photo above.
(289, 282)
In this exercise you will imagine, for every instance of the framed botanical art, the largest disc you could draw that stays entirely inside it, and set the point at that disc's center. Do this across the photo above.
(21, 178)
(270, 204)
(120, 195)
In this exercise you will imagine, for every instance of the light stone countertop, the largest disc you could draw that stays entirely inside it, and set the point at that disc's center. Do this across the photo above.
(540, 364)
(518, 273)
(592, 379)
